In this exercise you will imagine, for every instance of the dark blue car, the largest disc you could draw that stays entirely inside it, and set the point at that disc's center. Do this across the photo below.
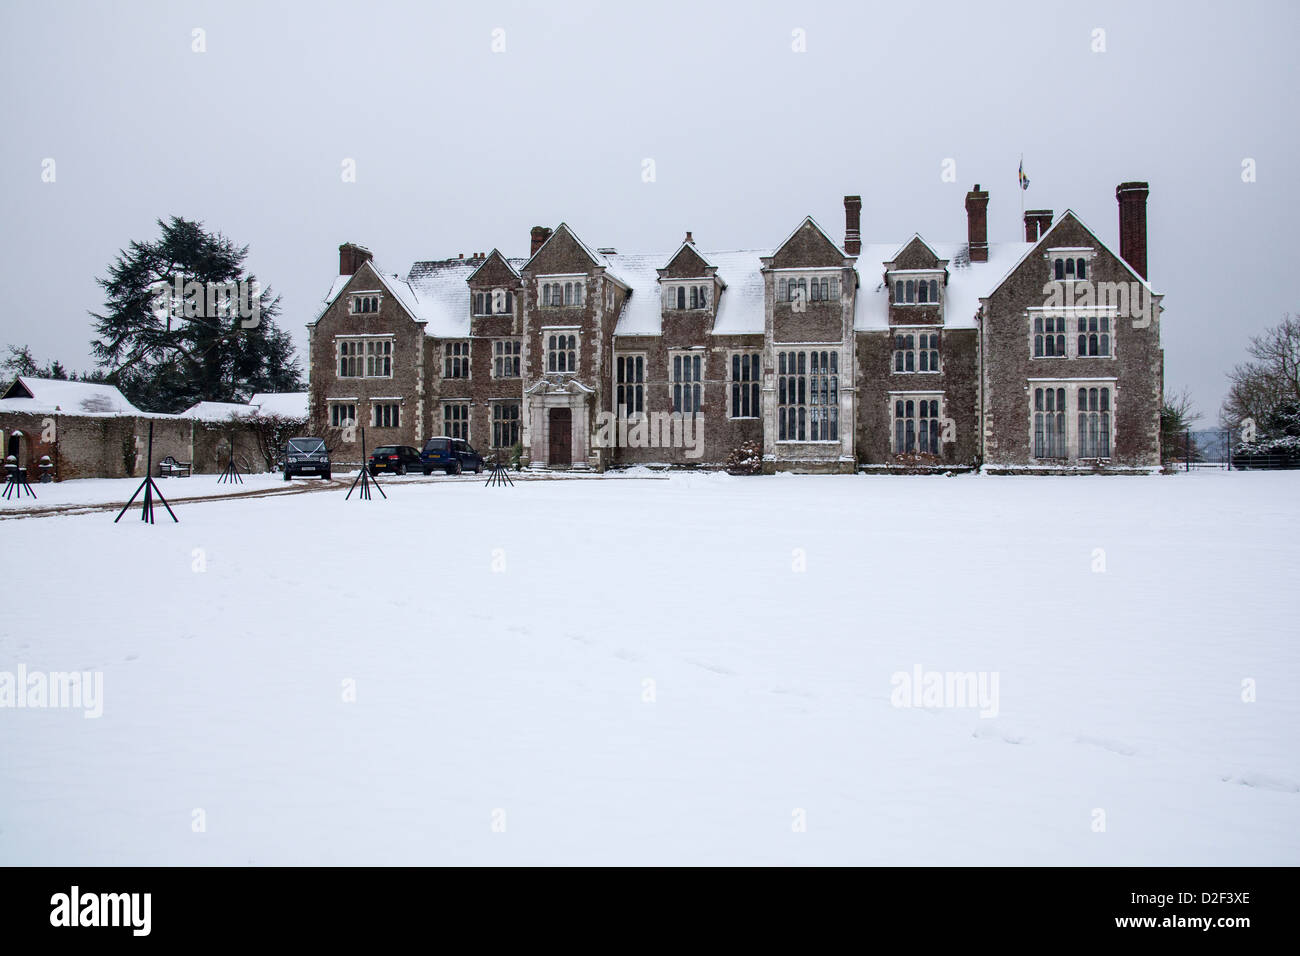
(450, 455)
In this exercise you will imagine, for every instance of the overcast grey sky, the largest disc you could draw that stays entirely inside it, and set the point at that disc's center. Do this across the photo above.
(460, 149)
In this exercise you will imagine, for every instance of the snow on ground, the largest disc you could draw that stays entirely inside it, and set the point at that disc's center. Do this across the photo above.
(93, 491)
(500, 642)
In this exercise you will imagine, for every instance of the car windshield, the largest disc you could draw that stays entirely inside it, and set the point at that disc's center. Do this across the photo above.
(436, 444)
(386, 450)
(306, 446)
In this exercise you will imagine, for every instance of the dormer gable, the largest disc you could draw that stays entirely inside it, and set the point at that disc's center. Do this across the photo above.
(563, 253)
(808, 247)
(688, 263)
(496, 270)
(916, 253)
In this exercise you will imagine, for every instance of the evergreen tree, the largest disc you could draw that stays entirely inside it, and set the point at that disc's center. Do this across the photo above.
(169, 338)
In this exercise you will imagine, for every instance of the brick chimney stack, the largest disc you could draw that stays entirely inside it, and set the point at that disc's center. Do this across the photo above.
(1037, 222)
(1133, 224)
(977, 224)
(539, 235)
(853, 225)
(351, 257)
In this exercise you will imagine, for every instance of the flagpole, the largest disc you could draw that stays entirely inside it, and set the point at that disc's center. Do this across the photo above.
(1021, 186)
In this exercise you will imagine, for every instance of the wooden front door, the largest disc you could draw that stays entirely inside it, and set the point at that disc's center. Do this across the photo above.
(561, 450)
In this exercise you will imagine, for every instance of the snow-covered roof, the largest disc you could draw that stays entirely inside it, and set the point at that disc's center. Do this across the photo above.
(284, 404)
(396, 286)
(436, 293)
(217, 411)
(740, 307)
(968, 281)
(442, 296)
(41, 395)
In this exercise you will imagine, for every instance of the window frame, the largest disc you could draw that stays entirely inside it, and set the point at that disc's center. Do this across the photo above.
(921, 412)
(453, 358)
(797, 372)
(450, 426)
(511, 358)
(512, 425)
(688, 390)
(356, 299)
(911, 350)
(749, 363)
(572, 351)
(787, 280)
(363, 354)
(1070, 319)
(393, 404)
(639, 362)
(570, 289)
(1074, 442)
(332, 404)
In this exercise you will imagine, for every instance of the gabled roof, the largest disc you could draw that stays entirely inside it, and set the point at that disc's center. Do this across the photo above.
(696, 252)
(968, 281)
(441, 286)
(399, 289)
(42, 395)
(1088, 229)
(595, 257)
(740, 306)
(495, 253)
(916, 237)
(794, 232)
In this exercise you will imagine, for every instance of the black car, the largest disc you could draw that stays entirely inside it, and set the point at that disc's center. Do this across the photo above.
(394, 459)
(306, 456)
(451, 455)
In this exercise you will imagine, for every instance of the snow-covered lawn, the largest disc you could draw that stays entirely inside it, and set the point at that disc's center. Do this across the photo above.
(96, 491)
(697, 670)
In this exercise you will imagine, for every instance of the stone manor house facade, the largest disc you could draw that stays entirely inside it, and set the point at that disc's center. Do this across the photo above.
(1034, 355)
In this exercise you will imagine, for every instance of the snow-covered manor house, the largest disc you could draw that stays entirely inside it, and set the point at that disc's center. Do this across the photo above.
(1035, 354)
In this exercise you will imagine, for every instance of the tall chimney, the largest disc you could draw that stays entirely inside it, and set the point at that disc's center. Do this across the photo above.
(977, 224)
(1037, 222)
(1133, 224)
(853, 225)
(539, 235)
(351, 257)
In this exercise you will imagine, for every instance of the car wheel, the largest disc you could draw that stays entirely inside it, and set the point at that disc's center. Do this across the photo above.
(286, 476)
(374, 472)
(427, 472)
(325, 475)
(455, 469)
(401, 468)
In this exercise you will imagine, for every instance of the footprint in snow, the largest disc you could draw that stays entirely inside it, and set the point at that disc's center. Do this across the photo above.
(1105, 743)
(131, 657)
(625, 655)
(992, 733)
(1264, 781)
(715, 668)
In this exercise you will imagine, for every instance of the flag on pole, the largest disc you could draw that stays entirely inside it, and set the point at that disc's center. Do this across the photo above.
(1024, 180)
